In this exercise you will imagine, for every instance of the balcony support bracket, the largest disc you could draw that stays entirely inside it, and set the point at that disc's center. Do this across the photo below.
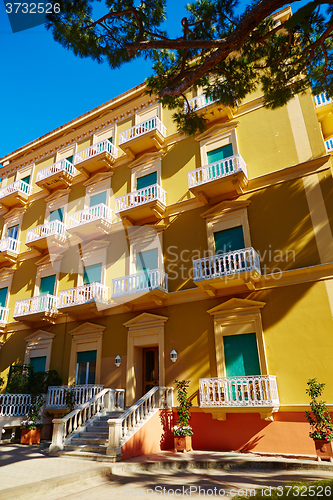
(210, 291)
(202, 197)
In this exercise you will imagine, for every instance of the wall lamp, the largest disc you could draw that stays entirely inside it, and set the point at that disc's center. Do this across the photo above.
(117, 361)
(173, 356)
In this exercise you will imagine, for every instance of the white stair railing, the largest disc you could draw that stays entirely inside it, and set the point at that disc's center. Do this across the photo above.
(255, 390)
(10, 245)
(17, 186)
(83, 294)
(122, 428)
(64, 428)
(218, 170)
(140, 197)
(100, 211)
(41, 303)
(142, 128)
(55, 168)
(53, 228)
(226, 264)
(140, 282)
(96, 149)
(14, 405)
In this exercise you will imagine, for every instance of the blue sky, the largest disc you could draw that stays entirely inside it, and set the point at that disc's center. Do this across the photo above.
(44, 85)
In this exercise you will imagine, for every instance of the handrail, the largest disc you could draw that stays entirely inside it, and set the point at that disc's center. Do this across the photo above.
(55, 168)
(20, 185)
(143, 281)
(56, 394)
(142, 128)
(217, 170)
(9, 244)
(140, 197)
(83, 294)
(54, 227)
(100, 211)
(40, 303)
(96, 149)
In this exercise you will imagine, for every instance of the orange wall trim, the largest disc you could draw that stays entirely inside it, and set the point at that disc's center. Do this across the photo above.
(289, 433)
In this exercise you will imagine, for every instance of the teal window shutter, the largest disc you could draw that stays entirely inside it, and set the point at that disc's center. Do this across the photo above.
(47, 285)
(146, 180)
(147, 260)
(96, 199)
(86, 357)
(38, 364)
(3, 296)
(220, 153)
(57, 214)
(229, 240)
(110, 139)
(12, 232)
(86, 367)
(241, 355)
(26, 179)
(92, 273)
(70, 159)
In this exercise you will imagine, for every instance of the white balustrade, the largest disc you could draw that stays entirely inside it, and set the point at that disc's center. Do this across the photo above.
(226, 264)
(96, 149)
(143, 281)
(218, 170)
(10, 245)
(92, 292)
(64, 428)
(14, 405)
(4, 311)
(14, 187)
(39, 304)
(52, 228)
(140, 197)
(90, 214)
(199, 102)
(122, 428)
(255, 390)
(141, 129)
(322, 99)
(55, 168)
(329, 145)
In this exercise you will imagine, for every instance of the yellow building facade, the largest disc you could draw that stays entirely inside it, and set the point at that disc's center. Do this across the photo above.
(132, 255)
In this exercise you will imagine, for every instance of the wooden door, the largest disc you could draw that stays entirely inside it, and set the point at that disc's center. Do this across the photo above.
(150, 368)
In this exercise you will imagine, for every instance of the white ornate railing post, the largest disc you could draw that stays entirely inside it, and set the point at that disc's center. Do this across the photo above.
(58, 435)
(115, 435)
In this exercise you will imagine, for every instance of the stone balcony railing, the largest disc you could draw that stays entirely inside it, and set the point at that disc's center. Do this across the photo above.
(4, 311)
(322, 99)
(217, 170)
(56, 168)
(35, 305)
(141, 129)
(141, 197)
(92, 292)
(10, 245)
(141, 282)
(101, 147)
(90, 214)
(53, 228)
(255, 390)
(199, 102)
(226, 264)
(14, 405)
(56, 395)
(16, 187)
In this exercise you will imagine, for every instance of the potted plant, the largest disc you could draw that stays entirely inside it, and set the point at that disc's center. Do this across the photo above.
(182, 431)
(31, 427)
(320, 420)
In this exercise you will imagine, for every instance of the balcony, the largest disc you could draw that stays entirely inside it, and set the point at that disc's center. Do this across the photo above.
(322, 99)
(4, 311)
(91, 222)
(225, 177)
(144, 204)
(16, 193)
(136, 285)
(254, 393)
(58, 175)
(199, 102)
(49, 236)
(329, 145)
(148, 135)
(36, 309)
(84, 300)
(9, 250)
(226, 270)
(210, 107)
(99, 157)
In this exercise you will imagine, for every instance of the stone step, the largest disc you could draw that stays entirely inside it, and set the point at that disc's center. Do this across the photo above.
(94, 433)
(77, 441)
(85, 447)
(86, 455)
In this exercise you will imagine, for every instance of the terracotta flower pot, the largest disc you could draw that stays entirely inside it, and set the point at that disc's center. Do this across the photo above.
(30, 436)
(324, 449)
(182, 443)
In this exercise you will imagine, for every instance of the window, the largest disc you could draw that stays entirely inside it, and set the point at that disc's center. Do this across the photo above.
(57, 214)
(229, 240)
(47, 285)
(219, 153)
(96, 199)
(26, 179)
(70, 158)
(12, 232)
(38, 364)
(147, 260)
(3, 299)
(93, 273)
(241, 355)
(86, 367)
(146, 180)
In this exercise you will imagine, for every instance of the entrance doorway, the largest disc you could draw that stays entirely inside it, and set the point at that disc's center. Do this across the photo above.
(150, 368)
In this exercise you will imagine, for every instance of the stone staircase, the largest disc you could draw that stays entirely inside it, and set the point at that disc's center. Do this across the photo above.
(91, 442)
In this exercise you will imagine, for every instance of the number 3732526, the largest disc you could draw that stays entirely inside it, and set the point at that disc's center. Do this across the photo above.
(32, 8)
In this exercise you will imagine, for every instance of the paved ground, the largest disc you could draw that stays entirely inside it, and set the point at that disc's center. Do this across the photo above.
(28, 472)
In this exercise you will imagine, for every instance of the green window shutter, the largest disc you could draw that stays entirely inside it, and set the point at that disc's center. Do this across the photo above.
(146, 180)
(110, 139)
(47, 285)
(229, 240)
(26, 179)
(96, 199)
(146, 261)
(3, 296)
(38, 364)
(220, 153)
(86, 357)
(70, 159)
(57, 214)
(241, 355)
(92, 273)
(12, 232)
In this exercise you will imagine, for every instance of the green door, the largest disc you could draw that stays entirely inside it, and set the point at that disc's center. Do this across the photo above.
(47, 285)
(97, 199)
(147, 260)
(38, 364)
(146, 181)
(220, 153)
(85, 367)
(3, 298)
(217, 155)
(229, 240)
(92, 273)
(241, 355)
